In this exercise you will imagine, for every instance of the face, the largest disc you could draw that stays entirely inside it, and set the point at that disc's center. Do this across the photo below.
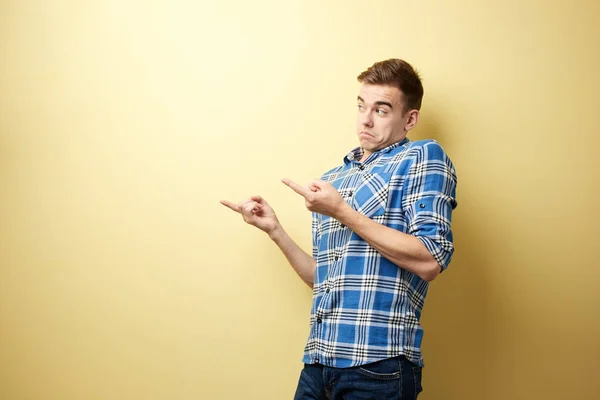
(381, 119)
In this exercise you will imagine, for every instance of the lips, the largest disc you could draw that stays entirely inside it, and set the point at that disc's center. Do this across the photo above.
(367, 134)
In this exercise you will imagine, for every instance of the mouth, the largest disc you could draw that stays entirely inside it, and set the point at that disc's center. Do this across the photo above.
(365, 134)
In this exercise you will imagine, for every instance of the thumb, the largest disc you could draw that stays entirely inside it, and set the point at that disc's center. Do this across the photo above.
(318, 184)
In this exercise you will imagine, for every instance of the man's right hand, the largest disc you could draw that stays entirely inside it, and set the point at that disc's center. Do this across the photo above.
(256, 212)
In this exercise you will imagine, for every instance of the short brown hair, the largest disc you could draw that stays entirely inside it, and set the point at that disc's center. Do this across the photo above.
(397, 73)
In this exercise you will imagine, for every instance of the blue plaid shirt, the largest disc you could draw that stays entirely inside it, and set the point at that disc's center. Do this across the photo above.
(365, 308)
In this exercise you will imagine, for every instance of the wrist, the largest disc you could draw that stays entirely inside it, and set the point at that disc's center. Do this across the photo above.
(277, 233)
(344, 214)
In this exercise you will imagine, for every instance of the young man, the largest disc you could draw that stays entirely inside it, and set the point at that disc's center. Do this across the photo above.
(381, 233)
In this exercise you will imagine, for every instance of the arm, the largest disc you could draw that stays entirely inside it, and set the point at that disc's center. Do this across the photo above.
(427, 195)
(427, 198)
(400, 248)
(301, 262)
(257, 212)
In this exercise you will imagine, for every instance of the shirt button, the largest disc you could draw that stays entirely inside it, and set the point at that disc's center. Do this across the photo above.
(328, 290)
(319, 320)
(361, 167)
(316, 360)
(336, 258)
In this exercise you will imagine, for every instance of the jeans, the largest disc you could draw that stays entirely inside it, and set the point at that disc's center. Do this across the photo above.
(393, 378)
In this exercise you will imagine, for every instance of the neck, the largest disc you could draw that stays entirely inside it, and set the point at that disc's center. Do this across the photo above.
(366, 155)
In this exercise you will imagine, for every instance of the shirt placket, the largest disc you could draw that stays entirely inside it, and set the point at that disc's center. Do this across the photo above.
(321, 328)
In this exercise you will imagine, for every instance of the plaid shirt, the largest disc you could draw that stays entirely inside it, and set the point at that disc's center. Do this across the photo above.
(365, 308)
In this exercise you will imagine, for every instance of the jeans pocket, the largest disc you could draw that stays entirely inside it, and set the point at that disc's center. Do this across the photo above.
(418, 375)
(384, 370)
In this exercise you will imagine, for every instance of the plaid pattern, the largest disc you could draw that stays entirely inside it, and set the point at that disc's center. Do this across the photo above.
(365, 308)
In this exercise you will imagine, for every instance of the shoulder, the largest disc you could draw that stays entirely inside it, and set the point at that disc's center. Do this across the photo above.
(427, 149)
(334, 170)
(428, 152)
(425, 157)
(332, 173)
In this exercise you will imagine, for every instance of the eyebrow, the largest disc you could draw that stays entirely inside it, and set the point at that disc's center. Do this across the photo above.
(377, 103)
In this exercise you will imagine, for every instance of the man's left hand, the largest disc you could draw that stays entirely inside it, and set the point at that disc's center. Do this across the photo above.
(320, 197)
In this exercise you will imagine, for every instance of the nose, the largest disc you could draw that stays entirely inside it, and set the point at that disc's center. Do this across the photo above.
(366, 119)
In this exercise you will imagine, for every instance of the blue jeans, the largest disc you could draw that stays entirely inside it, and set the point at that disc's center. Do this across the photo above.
(393, 378)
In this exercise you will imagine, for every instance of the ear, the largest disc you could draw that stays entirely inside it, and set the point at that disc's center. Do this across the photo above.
(412, 117)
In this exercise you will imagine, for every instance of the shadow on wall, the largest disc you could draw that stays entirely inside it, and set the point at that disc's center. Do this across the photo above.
(458, 332)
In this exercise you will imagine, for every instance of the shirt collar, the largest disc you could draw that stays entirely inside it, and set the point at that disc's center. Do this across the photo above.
(357, 153)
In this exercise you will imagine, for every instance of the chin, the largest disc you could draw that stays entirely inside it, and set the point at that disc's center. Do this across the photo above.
(365, 143)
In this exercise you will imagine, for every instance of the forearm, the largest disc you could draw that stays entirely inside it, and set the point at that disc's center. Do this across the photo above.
(402, 249)
(301, 262)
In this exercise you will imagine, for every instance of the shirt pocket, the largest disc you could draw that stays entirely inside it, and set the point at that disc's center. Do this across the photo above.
(371, 196)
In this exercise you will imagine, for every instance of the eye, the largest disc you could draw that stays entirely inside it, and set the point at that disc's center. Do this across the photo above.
(361, 107)
(381, 112)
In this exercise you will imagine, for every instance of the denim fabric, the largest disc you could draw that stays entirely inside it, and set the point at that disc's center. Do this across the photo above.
(393, 378)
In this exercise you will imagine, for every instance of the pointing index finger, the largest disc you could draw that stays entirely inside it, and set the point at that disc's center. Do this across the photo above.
(301, 190)
(230, 205)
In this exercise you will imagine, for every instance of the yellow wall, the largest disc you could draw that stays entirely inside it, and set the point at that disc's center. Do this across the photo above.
(122, 123)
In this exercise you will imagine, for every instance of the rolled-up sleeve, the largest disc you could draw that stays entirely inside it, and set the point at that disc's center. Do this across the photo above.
(429, 196)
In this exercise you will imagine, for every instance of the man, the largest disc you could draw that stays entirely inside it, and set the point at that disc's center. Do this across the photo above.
(381, 233)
